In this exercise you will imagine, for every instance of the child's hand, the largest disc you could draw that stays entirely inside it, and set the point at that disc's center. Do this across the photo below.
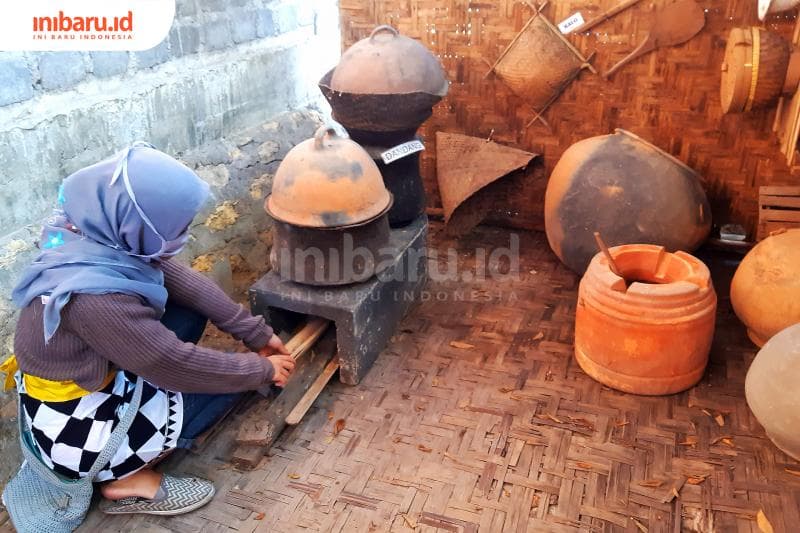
(284, 366)
(274, 346)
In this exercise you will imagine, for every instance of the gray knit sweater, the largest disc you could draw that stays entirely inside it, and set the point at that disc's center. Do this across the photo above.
(98, 331)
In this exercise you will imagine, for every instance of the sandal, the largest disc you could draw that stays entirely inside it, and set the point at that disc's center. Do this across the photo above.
(176, 495)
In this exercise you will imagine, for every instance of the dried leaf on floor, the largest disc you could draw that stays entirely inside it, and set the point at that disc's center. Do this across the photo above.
(539, 336)
(707, 413)
(505, 389)
(435, 382)
(651, 483)
(328, 439)
(396, 439)
(419, 407)
(763, 523)
(549, 417)
(586, 466)
(641, 527)
(292, 475)
(696, 480)
(338, 426)
(461, 345)
(720, 420)
(330, 415)
(405, 396)
(548, 376)
(792, 472)
(260, 516)
(410, 523)
(535, 501)
(691, 440)
(423, 448)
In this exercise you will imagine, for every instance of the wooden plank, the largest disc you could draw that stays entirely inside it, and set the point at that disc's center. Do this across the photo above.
(302, 407)
(267, 418)
(785, 190)
(775, 215)
(773, 202)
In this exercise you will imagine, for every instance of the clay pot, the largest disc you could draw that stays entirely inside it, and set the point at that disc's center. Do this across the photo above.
(771, 389)
(330, 208)
(328, 181)
(769, 7)
(628, 190)
(765, 291)
(388, 63)
(652, 337)
(384, 87)
(754, 71)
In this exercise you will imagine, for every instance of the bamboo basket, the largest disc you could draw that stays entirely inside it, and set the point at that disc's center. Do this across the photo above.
(539, 62)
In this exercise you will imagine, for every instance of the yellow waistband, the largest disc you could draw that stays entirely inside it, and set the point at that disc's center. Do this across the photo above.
(46, 390)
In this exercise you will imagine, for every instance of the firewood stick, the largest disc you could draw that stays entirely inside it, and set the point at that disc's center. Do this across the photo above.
(306, 337)
(302, 407)
(611, 263)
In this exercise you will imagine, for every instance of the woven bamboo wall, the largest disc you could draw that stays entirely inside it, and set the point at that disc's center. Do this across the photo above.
(670, 97)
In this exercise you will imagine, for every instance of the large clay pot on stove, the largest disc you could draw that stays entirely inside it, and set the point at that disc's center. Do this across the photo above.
(627, 189)
(771, 389)
(651, 336)
(384, 87)
(765, 291)
(329, 204)
(758, 67)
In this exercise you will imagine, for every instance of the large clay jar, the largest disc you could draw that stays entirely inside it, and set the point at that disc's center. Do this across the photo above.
(649, 336)
(765, 291)
(628, 190)
(772, 392)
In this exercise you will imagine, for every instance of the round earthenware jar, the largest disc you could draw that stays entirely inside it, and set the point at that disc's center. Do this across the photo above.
(765, 291)
(627, 189)
(651, 335)
(772, 392)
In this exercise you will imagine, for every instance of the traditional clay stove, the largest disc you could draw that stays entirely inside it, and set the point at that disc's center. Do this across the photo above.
(334, 255)
(382, 90)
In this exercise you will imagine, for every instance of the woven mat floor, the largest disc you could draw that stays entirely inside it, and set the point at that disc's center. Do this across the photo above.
(477, 418)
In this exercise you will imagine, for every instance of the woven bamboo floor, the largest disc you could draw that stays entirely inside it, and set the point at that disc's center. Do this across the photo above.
(477, 418)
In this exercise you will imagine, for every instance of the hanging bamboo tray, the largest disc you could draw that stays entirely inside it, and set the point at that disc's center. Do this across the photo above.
(539, 62)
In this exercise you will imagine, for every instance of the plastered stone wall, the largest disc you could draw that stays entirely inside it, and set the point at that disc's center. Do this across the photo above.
(229, 91)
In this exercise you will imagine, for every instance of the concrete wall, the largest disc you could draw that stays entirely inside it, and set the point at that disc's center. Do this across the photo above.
(229, 91)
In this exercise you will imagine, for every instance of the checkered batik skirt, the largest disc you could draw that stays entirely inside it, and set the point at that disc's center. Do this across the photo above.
(71, 434)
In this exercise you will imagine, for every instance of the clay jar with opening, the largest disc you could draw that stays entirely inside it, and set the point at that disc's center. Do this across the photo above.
(384, 87)
(765, 291)
(772, 392)
(627, 189)
(651, 336)
(329, 204)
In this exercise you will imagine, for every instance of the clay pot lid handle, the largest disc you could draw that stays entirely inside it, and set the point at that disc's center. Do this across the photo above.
(383, 27)
(325, 130)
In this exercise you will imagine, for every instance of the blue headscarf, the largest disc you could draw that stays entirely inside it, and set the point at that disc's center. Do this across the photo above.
(115, 220)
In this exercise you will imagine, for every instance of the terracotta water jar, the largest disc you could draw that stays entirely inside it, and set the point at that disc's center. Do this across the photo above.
(772, 392)
(765, 291)
(651, 335)
(627, 189)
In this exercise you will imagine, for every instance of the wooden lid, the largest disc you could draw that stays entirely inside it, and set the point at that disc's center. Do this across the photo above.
(737, 70)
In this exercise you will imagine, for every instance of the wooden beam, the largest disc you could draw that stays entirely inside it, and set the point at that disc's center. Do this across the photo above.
(302, 407)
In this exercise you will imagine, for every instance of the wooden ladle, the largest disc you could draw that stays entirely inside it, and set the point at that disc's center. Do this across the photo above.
(670, 25)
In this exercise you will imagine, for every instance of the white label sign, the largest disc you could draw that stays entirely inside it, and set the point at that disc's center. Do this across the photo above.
(402, 150)
(572, 23)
